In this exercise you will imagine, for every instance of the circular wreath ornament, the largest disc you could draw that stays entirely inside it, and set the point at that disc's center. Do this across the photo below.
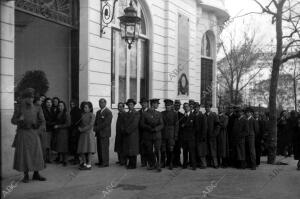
(183, 85)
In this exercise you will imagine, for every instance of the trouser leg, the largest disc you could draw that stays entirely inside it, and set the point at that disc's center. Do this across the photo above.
(99, 150)
(105, 151)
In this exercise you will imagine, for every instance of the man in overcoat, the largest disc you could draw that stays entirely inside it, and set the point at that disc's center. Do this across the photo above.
(239, 131)
(188, 137)
(201, 136)
(145, 105)
(169, 134)
(152, 124)
(131, 134)
(102, 127)
(178, 142)
(231, 118)
(222, 139)
(213, 128)
(250, 140)
(119, 139)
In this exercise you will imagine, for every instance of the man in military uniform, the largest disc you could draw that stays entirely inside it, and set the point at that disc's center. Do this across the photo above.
(169, 134)
(201, 136)
(152, 125)
(188, 137)
(144, 105)
(177, 147)
(212, 132)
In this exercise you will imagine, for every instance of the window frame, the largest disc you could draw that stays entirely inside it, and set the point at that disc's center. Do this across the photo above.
(116, 28)
(204, 56)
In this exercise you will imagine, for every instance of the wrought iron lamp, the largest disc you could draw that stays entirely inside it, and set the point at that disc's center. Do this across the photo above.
(130, 25)
(107, 14)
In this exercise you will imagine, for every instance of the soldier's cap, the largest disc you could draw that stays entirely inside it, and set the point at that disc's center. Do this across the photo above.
(208, 105)
(131, 101)
(154, 100)
(177, 102)
(28, 93)
(191, 102)
(197, 104)
(144, 100)
(168, 102)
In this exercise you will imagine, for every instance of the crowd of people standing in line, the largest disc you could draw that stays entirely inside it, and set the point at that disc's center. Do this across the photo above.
(232, 138)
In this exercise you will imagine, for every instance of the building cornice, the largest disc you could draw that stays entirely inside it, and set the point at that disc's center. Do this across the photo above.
(217, 7)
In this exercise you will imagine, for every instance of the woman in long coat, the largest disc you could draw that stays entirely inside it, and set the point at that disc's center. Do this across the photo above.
(119, 134)
(29, 119)
(131, 134)
(62, 124)
(87, 142)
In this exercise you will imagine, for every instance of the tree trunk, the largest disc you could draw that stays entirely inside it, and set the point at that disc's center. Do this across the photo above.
(295, 88)
(273, 87)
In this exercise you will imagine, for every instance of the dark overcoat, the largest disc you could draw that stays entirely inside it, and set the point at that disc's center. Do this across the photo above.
(102, 126)
(62, 132)
(296, 140)
(187, 124)
(201, 134)
(222, 138)
(119, 132)
(131, 133)
(27, 143)
(239, 132)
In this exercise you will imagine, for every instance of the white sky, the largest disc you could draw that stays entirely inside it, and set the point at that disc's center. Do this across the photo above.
(259, 23)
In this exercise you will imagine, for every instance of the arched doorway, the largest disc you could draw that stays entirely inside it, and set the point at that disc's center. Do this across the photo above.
(47, 39)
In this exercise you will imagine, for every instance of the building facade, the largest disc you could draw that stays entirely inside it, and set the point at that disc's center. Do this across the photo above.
(175, 56)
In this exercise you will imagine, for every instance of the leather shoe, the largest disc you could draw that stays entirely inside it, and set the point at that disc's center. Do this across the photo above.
(103, 165)
(38, 177)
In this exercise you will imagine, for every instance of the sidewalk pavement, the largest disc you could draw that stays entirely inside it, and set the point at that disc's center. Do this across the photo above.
(115, 182)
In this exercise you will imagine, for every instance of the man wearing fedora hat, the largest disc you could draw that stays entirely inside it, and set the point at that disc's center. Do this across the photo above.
(239, 130)
(201, 136)
(29, 119)
(131, 134)
(169, 134)
(152, 124)
(145, 105)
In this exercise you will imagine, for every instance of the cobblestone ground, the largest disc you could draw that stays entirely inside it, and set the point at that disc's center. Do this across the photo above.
(115, 182)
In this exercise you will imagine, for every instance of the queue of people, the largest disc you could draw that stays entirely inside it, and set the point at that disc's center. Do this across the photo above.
(234, 138)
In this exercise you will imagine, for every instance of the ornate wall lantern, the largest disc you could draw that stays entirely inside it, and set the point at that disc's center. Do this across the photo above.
(130, 25)
(107, 14)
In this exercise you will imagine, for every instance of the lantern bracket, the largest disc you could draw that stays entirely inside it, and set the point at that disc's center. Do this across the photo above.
(107, 14)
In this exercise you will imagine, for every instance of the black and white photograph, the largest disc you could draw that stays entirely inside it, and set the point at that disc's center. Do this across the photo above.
(150, 99)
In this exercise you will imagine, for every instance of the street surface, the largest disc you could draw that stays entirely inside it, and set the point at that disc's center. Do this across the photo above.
(115, 182)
